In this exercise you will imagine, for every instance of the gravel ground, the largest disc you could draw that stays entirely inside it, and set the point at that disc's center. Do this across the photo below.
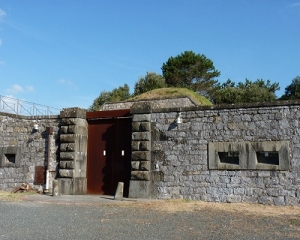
(160, 220)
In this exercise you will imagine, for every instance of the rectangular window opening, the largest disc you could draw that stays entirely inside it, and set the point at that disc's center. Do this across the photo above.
(10, 158)
(229, 157)
(271, 158)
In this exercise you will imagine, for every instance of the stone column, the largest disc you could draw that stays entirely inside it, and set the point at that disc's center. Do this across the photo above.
(73, 152)
(140, 183)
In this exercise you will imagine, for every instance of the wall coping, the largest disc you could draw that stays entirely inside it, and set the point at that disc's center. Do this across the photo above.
(285, 103)
(147, 101)
(36, 117)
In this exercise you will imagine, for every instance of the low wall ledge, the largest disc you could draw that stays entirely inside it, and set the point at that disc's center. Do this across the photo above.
(229, 106)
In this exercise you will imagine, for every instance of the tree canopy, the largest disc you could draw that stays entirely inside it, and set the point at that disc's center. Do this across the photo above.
(190, 70)
(117, 94)
(247, 92)
(292, 91)
(197, 73)
(149, 82)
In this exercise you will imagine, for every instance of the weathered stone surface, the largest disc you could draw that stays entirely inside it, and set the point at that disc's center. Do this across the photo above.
(67, 164)
(140, 175)
(55, 189)
(73, 113)
(157, 176)
(182, 154)
(64, 129)
(79, 186)
(145, 146)
(140, 189)
(145, 166)
(75, 121)
(135, 165)
(80, 145)
(145, 127)
(119, 192)
(67, 155)
(65, 186)
(66, 173)
(67, 147)
(142, 136)
(79, 140)
(78, 156)
(140, 155)
(72, 186)
(140, 107)
(22, 148)
(135, 126)
(157, 103)
(135, 145)
(78, 173)
(180, 151)
(141, 118)
(247, 155)
(81, 130)
(67, 138)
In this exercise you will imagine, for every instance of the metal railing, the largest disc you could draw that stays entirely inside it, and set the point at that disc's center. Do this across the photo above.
(20, 107)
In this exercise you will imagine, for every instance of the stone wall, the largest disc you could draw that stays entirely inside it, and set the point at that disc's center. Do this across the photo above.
(157, 103)
(140, 184)
(24, 150)
(180, 153)
(73, 152)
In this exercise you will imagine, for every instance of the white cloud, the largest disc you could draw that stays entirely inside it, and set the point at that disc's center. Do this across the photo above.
(16, 88)
(69, 84)
(0, 42)
(2, 14)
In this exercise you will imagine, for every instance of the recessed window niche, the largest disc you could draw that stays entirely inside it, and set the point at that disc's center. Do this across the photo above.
(271, 158)
(265, 155)
(229, 157)
(10, 156)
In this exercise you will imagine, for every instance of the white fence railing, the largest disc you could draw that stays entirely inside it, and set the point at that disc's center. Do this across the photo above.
(20, 107)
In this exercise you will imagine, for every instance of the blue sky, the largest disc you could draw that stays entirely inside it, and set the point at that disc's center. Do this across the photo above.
(63, 53)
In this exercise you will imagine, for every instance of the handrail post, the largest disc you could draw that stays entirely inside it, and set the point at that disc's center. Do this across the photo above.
(18, 106)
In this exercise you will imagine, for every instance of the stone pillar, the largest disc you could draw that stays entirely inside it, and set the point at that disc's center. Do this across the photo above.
(73, 152)
(52, 161)
(140, 183)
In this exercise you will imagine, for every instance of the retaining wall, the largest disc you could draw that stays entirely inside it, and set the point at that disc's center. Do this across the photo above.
(186, 157)
(24, 150)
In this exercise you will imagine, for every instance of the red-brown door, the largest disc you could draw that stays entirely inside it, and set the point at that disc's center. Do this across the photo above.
(109, 155)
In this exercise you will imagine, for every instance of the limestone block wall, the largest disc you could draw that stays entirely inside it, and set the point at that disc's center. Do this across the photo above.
(180, 153)
(24, 150)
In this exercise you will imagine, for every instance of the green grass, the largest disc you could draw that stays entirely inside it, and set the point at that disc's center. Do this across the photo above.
(162, 93)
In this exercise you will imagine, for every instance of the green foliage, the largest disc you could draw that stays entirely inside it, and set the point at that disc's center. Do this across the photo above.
(117, 94)
(292, 91)
(190, 70)
(247, 92)
(149, 82)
